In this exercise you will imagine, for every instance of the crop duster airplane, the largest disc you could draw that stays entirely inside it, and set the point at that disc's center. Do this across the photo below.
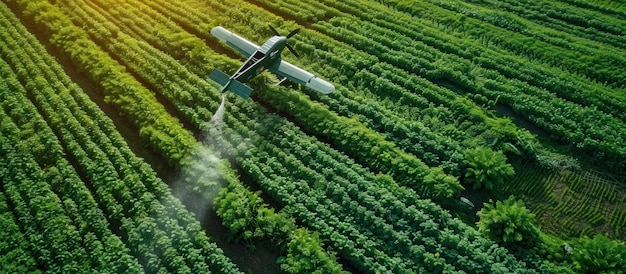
(261, 58)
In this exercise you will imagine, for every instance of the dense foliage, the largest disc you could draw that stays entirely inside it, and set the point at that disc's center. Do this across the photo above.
(600, 255)
(430, 94)
(487, 169)
(508, 222)
(250, 220)
(305, 255)
(106, 210)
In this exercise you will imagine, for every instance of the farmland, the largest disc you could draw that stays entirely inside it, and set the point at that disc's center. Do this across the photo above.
(120, 155)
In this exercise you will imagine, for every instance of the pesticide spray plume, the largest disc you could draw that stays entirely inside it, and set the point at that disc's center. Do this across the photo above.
(218, 117)
(199, 182)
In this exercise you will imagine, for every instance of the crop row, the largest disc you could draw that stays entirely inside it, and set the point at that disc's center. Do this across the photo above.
(293, 10)
(379, 108)
(594, 185)
(425, 36)
(379, 215)
(573, 212)
(152, 67)
(177, 101)
(241, 129)
(159, 129)
(472, 127)
(545, 14)
(187, 24)
(608, 7)
(249, 219)
(126, 189)
(601, 65)
(150, 79)
(573, 122)
(618, 220)
(377, 101)
(561, 83)
(583, 201)
(338, 133)
(412, 137)
(531, 181)
(247, 127)
(52, 236)
(55, 242)
(583, 132)
(339, 200)
(600, 194)
(595, 23)
(568, 199)
(16, 254)
(318, 120)
(162, 131)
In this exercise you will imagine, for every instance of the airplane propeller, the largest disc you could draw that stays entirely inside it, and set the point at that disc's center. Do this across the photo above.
(292, 33)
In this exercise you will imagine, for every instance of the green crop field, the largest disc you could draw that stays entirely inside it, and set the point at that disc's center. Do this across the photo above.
(119, 155)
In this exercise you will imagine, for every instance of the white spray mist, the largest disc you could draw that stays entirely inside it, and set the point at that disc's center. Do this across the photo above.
(196, 183)
(218, 116)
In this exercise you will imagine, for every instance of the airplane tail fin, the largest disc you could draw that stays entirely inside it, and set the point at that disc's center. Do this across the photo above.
(230, 84)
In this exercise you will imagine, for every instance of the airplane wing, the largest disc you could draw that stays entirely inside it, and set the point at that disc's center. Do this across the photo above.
(300, 76)
(242, 45)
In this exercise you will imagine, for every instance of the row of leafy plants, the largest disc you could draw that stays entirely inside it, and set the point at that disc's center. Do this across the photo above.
(575, 124)
(509, 223)
(427, 54)
(594, 22)
(177, 101)
(560, 18)
(293, 258)
(534, 74)
(360, 213)
(236, 121)
(157, 229)
(607, 7)
(600, 64)
(416, 167)
(250, 220)
(318, 120)
(407, 133)
(58, 242)
(156, 126)
(16, 255)
(139, 105)
(582, 136)
(274, 163)
(527, 184)
(464, 120)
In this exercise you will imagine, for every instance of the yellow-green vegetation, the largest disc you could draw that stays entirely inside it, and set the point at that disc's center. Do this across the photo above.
(435, 102)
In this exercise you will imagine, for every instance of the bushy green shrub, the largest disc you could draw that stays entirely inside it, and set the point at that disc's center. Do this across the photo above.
(487, 168)
(600, 255)
(509, 222)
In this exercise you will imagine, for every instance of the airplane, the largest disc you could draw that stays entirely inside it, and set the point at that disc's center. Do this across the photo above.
(267, 56)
